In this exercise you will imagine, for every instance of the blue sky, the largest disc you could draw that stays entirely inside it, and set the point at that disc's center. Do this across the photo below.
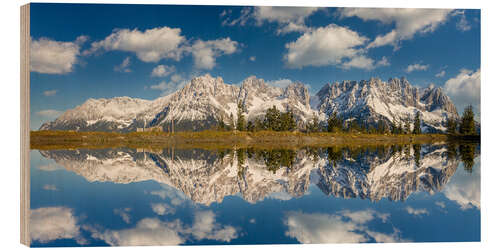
(145, 51)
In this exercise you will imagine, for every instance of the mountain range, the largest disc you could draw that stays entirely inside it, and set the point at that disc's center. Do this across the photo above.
(199, 104)
(205, 178)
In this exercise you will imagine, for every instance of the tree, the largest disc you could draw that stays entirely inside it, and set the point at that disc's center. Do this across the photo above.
(381, 127)
(416, 124)
(250, 126)
(240, 123)
(287, 121)
(220, 123)
(271, 119)
(231, 122)
(407, 126)
(334, 122)
(451, 126)
(467, 123)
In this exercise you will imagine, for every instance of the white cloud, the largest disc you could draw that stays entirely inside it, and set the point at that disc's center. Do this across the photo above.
(328, 45)
(360, 62)
(53, 223)
(281, 83)
(465, 188)
(462, 24)
(441, 74)
(50, 167)
(147, 232)
(344, 227)
(124, 66)
(440, 204)
(289, 19)
(205, 227)
(465, 88)
(176, 82)
(383, 62)
(417, 212)
(252, 58)
(176, 197)
(417, 67)
(152, 231)
(150, 45)
(123, 213)
(162, 208)
(205, 52)
(408, 22)
(50, 92)
(49, 113)
(50, 187)
(162, 70)
(54, 57)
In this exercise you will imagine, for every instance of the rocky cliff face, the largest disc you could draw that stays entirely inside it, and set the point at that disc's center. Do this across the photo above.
(205, 177)
(199, 104)
(392, 102)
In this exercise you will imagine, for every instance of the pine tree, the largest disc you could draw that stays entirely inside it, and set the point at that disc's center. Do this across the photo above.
(220, 123)
(271, 119)
(314, 125)
(416, 124)
(407, 126)
(451, 126)
(240, 123)
(334, 122)
(231, 122)
(250, 126)
(467, 123)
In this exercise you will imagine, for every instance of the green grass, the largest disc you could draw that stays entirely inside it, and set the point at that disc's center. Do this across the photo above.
(210, 139)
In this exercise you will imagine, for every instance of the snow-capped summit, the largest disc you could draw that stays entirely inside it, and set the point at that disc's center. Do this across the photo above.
(392, 102)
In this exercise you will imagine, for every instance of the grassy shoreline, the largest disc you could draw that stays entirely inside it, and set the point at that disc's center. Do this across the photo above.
(45, 140)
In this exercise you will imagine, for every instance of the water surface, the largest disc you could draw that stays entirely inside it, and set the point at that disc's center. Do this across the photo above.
(412, 193)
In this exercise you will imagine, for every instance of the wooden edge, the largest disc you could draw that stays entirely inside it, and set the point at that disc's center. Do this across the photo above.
(25, 123)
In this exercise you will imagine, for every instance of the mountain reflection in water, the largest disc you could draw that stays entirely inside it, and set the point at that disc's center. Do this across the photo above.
(363, 182)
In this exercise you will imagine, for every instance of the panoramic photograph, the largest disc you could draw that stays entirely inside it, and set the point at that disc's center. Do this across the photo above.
(155, 125)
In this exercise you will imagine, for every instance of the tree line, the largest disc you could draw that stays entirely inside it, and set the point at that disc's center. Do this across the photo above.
(275, 120)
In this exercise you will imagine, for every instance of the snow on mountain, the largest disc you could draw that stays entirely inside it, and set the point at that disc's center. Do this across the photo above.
(206, 178)
(199, 104)
(392, 101)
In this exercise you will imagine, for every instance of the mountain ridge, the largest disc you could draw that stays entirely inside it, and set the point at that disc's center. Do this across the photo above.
(205, 99)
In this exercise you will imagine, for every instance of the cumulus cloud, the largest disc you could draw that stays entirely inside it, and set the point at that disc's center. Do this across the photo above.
(152, 231)
(383, 62)
(54, 223)
(176, 82)
(462, 24)
(289, 19)
(408, 22)
(162, 70)
(416, 67)
(343, 227)
(50, 167)
(49, 113)
(175, 196)
(465, 88)
(441, 73)
(54, 57)
(465, 188)
(416, 212)
(147, 232)
(150, 45)
(205, 52)
(124, 66)
(205, 227)
(52, 92)
(360, 62)
(124, 213)
(440, 204)
(252, 58)
(330, 45)
(281, 83)
(162, 208)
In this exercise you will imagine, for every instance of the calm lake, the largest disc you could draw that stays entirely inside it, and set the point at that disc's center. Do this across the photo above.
(412, 193)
